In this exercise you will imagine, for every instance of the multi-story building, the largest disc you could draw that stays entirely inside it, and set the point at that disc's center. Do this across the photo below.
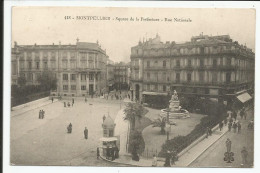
(121, 76)
(80, 69)
(213, 67)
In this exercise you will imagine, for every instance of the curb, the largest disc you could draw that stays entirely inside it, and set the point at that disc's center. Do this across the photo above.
(118, 162)
(33, 109)
(208, 147)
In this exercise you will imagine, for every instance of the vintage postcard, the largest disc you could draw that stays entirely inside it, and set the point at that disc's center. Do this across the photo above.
(128, 86)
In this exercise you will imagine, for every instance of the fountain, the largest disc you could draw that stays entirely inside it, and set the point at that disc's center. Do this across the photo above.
(175, 110)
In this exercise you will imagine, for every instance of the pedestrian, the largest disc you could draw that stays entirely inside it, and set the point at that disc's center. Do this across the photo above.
(210, 132)
(174, 157)
(235, 127)
(245, 114)
(104, 118)
(43, 112)
(229, 126)
(64, 104)
(69, 128)
(244, 154)
(167, 160)
(86, 99)
(220, 125)
(238, 127)
(207, 132)
(40, 114)
(68, 104)
(225, 121)
(86, 133)
(116, 152)
(228, 145)
(154, 163)
(52, 99)
(72, 100)
(98, 154)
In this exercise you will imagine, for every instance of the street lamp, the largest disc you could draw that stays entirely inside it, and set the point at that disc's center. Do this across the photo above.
(168, 125)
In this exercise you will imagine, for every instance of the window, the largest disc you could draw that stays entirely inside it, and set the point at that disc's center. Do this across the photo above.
(111, 133)
(72, 64)
(228, 77)
(178, 64)
(189, 62)
(148, 87)
(228, 61)
(91, 76)
(164, 63)
(29, 65)
(201, 62)
(83, 87)
(73, 76)
(52, 64)
(148, 76)
(156, 87)
(73, 87)
(189, 77)
(45, 65)
(65, 64)
(65, 76)
(201, 76)
(37, 65)
(177, 77)
(83, 77)
(164, 88)
(214, 77)
(148, 64)
(65, 87)
(214, 62)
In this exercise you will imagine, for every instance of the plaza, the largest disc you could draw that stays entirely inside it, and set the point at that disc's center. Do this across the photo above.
(46, 141)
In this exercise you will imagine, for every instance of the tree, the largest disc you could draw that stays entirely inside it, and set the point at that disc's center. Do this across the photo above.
(160, 122)
(133, 111)
(136, 144)
(21, 80)
(48, 81)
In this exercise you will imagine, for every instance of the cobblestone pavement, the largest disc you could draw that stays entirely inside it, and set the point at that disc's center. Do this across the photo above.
(46, 141)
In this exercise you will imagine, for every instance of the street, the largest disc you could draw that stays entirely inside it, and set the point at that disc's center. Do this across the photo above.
(214, 155)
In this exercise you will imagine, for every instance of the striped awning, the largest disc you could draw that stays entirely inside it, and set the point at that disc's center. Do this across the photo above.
(244, 97)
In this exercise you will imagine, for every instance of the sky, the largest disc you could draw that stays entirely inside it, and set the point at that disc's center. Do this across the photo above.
(47, 25)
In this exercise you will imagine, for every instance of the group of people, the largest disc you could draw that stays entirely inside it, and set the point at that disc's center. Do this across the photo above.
(236, 125)
(208, 132)
(112, 152)
(41, 114)
(68, 104)
(171, 158)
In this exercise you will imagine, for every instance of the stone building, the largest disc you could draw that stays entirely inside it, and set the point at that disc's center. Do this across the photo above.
(122, 76)
(214, 67)
(80, 69)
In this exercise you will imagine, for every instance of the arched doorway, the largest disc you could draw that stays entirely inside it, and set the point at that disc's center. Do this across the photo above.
(137, 93)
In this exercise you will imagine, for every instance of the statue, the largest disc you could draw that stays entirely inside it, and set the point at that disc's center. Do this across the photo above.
(175, 96)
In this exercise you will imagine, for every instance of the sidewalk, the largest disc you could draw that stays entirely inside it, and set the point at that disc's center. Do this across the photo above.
(31, 107)
(184, 160)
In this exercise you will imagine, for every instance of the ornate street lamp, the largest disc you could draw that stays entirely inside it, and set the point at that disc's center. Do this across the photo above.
(168, 125)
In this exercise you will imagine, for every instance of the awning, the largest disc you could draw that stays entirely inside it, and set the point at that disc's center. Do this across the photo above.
(104, 139)
(244, 97)
(153, 93)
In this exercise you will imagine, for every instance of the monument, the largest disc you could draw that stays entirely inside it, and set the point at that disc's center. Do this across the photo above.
(175, 111)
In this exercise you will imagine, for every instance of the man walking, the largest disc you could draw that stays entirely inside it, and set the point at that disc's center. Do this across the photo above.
(220, 125)
(52, 99)
(86, 133)
(238, 127)
(98, 154)
(244, 154)
(229, 126)
(235, 127)
(40, 114)
(228, 145)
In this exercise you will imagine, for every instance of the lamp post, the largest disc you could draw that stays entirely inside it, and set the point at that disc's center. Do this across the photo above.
(168, 125)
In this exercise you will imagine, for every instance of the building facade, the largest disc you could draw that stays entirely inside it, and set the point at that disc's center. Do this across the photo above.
(80, 69)
(121, 76)
(213, 67)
